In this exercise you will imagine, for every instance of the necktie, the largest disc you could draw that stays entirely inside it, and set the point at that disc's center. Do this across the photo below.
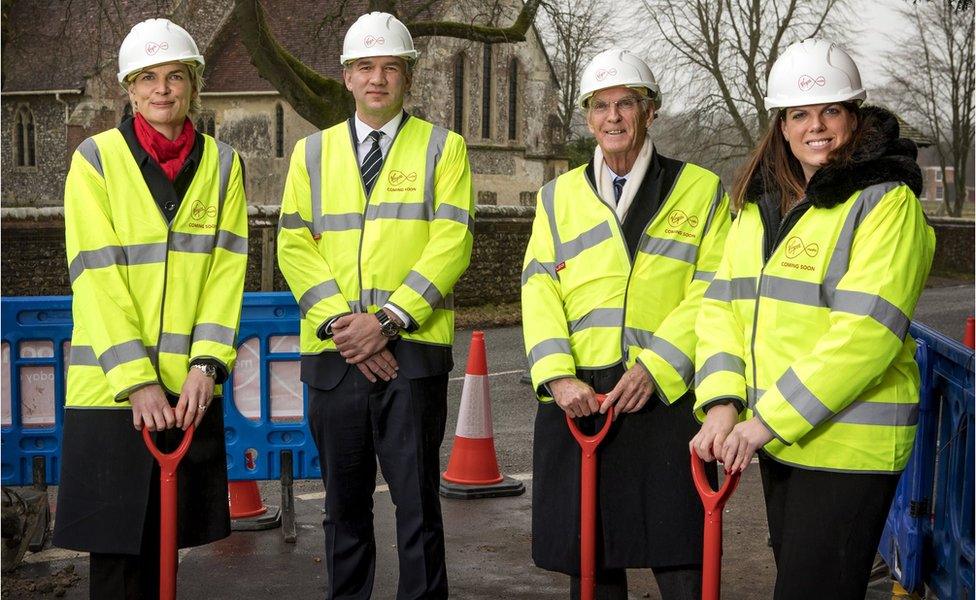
(372, 163)
(618, 188)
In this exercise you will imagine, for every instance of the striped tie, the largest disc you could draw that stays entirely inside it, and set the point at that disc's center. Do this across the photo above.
(618, 188)
(372, 163)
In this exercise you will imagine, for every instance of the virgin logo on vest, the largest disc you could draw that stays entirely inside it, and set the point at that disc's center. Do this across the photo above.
(678, 218)
(796, 248)
(400, 181)
(806, 83)
(200, 212)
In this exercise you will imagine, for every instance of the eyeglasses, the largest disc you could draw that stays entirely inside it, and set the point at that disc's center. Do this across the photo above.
(624, 105)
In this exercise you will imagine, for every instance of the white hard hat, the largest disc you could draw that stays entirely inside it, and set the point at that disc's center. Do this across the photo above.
(377, 34)
(156, 42)
(615, 67)
(813, 72)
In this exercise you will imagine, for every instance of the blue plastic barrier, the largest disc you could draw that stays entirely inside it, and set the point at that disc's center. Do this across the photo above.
(928, 538)
(36, 332)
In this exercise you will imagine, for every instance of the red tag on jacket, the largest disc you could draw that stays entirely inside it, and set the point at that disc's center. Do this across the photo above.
(560, 266)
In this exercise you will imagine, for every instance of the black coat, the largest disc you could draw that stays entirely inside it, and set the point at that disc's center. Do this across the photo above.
(649, 512)
(108, 479)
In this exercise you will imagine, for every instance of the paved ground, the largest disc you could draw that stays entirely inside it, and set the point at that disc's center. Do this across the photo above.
(487, 540)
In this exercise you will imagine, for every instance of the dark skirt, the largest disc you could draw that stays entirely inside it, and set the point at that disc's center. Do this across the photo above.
(107, 474)
(648, 509)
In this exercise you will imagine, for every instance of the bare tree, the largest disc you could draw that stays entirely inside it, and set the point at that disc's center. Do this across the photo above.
(932, 72)
(716, 56)
(324, 101)
(574, 31)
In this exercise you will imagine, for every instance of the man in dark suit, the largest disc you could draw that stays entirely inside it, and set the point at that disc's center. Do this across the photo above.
(375, 230)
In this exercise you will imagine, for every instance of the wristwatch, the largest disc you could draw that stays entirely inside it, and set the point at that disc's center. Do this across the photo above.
(208, 369)
(388, 327)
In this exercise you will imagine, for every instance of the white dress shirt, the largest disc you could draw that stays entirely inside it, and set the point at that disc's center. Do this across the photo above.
(363, 146)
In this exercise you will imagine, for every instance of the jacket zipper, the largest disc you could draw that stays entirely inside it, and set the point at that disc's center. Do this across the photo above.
(766, 256)
(630, 261)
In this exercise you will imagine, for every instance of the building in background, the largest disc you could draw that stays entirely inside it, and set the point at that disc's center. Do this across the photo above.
(59, 87)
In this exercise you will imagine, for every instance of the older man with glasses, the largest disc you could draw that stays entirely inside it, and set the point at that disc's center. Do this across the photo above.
(621, 252)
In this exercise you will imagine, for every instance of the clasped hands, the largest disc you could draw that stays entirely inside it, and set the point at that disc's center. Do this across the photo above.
(723, 438)
(578, 399)
(360, 342)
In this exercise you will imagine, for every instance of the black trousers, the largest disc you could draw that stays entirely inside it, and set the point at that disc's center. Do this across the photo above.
(129, 576)
(402, 423)
(824, 528)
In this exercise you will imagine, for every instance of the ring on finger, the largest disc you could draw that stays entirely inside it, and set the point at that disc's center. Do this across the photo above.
(203, 406)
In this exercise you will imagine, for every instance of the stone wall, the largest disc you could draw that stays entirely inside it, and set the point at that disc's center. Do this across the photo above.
(33, 262)
(953, 245)
(42, 184)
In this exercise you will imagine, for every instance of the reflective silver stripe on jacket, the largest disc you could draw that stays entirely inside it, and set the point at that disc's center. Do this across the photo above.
(174, 343)
(586, 240)
(802, 399)
(135, 254)
(89, 151)
(191, 243)
(738, 288)
(675, 249)
(435, 147)
(316, 294)
(719, 362)
(231, 242)
(379, 297)
(293, 221)
(598, 317)
(849, 301)
(673, 355)
(538, 268)
(548, 348)
(225, 159)
(313, 167)
(424, 287)
(213, 332)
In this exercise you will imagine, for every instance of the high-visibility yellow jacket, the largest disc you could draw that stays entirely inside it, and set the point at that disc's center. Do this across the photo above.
(407, 244)
(586, 305)
(813, 340)
(150, 296)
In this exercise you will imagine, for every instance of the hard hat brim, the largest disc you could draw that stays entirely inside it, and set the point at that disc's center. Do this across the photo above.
(198, 59)
(857, 96)
(408, 55)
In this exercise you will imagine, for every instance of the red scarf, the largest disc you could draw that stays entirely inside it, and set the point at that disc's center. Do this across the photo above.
(170, 155)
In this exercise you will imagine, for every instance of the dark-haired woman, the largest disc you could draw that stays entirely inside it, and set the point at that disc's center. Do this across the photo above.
(803, 352)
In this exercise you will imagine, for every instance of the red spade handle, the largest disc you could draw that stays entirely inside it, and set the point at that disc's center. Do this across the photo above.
(588, 445)
(713, 501)
(167, 509)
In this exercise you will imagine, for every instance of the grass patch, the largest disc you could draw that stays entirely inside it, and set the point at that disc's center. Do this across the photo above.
(488, 315)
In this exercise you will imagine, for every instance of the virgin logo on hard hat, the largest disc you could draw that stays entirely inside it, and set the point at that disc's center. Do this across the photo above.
(806, 82)
(604, 73)
(373, 40)
(153, 47)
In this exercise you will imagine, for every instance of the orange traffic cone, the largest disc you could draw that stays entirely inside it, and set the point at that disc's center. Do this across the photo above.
(472, 471)
(247, 512)
(969, 336)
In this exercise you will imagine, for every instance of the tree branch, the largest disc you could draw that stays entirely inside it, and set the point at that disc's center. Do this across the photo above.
(479, 33)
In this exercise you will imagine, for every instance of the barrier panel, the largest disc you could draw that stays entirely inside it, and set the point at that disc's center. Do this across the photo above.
(928, 537)
(36, 334)
(264, 399)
